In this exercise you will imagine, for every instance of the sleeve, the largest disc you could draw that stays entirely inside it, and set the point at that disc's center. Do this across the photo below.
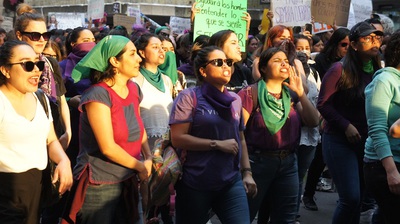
(95, 94)
(378, 95)
(247, 99)
(327, 91)
(183, 107)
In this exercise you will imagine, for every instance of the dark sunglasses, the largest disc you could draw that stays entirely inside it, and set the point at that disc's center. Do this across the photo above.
(344, 44)
(35, 36)
(30, 65)
(219, 62)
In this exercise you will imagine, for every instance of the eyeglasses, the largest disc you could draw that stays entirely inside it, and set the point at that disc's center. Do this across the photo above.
(344, 44)
(372, 39)
(219, 62)
(30, 65)
(50, 55)
(35, 36)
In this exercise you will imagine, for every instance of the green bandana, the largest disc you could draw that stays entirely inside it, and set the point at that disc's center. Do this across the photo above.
(155, 79)
(97, 58)
(168, 68)
(274, 111)
(368, 67)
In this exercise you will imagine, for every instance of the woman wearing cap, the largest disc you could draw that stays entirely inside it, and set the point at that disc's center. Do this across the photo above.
(382, 157)
(25, 135)
(111, 137)
(342, 104)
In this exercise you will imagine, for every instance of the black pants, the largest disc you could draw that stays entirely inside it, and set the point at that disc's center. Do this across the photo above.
(314, 172)
(376, 182)
(20, 197)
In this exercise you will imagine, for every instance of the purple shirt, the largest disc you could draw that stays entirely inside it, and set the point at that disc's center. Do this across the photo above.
(258, 138)
(338, 108)
(208, 170)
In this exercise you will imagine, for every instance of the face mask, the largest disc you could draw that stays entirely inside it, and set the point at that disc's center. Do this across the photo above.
(84, 47)
(307, 52)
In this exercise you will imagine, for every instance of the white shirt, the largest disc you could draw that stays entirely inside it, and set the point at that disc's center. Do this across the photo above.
(22, 142)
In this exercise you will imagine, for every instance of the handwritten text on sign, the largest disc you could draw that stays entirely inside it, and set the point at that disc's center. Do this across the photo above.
(216, 15)
(291, 12)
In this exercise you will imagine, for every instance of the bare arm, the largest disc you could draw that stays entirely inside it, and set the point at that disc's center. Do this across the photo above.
(65, 139)
(394, 130)
(392, 174)
(248, 181)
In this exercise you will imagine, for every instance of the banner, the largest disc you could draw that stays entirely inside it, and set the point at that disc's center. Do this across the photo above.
(329, 11)
(219, 15)
(68, 20)
(291, 12)
(360, 10)
(179, 25)
(95, 9)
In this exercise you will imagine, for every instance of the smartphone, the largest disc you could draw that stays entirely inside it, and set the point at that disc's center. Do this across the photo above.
(309, 27)
(297, 29)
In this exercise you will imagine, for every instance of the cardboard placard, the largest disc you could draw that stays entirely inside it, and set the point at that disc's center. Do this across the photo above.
(179, 25)
(329, 11)
(95, 9)
(291, 12)
(216, 15)
(123, 20)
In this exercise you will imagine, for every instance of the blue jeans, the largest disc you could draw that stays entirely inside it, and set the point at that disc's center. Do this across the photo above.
(305, 155)
(230, 204)
(344, 161)
(104, 204)
(278, 188)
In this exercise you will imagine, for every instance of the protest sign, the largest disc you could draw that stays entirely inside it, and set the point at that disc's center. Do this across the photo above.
(291, 12)
(265, 22)
(321, 28)
(360, 10)
(96, 9)
(125, 21)
(68, 20)
(179, 25)
(134, 12)
(329, 11)
(216, 15)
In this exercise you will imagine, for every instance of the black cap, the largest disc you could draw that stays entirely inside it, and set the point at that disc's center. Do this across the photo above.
(363, 29)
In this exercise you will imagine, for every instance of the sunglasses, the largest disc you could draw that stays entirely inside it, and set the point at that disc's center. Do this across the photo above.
(219, 62)
(35, 36)
(344, 44)
(30, 65)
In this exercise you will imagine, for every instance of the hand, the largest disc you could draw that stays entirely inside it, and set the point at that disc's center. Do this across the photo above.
(295, 82)
(63, 173)
(148, 164)
(352, 134)
(307, 34)
(143, 174)
(393, 179)
(228, 146)
(270, 15)
(250, 185)
(246, 17)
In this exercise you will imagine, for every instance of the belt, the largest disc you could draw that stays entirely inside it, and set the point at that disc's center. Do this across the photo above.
(277, 153)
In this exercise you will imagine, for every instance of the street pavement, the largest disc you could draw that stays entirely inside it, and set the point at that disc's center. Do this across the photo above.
(326, 202)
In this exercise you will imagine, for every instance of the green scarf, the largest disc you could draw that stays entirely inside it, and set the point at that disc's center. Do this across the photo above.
(168, 68)
(155, 79)
(368, 67)
(97, 58)
(274, 111)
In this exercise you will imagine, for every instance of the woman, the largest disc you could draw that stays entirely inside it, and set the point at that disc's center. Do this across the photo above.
(31, 28)
(273, 120)
(26, 133)
(228, 41)
(206, 122)
(334, 50)
(111, 137)
(317, 44)
(252, 45)
(157, 88)
(382, 158)
(341, 102)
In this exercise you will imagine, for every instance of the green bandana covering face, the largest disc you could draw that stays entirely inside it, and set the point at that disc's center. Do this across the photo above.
(154, 79)
(274, 111)
(97, 58)
(168, 68)
(368, 67)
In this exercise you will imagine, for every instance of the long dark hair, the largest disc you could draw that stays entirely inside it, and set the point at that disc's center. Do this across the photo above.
(7, 52)
(392, 51)
(331, 47)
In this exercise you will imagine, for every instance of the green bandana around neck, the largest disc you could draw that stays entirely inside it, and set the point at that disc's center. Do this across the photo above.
(274, 111)
(368, 67)
(169, 68)
(97, 58)
(154, 79)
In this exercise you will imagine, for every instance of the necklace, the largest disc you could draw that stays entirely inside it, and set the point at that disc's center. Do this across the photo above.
(276, 95)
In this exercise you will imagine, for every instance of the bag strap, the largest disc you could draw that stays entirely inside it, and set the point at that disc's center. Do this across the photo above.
(42, 99)
(254, 96)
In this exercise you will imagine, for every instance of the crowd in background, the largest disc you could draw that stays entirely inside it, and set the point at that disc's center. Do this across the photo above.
(251, 125)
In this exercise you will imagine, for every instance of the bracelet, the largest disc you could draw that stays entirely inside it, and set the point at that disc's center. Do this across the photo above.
(246, 170)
